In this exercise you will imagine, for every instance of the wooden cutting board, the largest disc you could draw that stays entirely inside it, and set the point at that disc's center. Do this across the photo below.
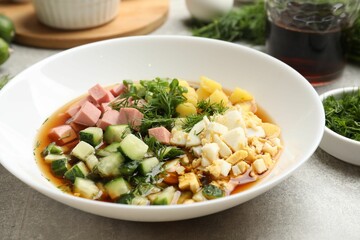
(136, 17)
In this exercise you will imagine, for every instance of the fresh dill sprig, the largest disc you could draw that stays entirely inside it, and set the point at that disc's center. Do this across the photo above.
(247, 23)
(205, 108)
(161, 151)
(208, 108)
(191, 120)
(342, 115)
(162, 97)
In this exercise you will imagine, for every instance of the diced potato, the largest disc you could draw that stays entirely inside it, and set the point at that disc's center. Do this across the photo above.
(191, 96)
(185, 109)
(240, 95)
(271, 130)
(218, 96)
(259, 166)
(184, 83)
(209, 85)
(202, 94)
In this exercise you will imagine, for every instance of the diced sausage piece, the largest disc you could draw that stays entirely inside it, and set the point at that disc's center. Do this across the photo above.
(118, 89)
(105, 107)
(88, 115)
(73, 109)
(77, 127)
(130, 116)
(62, 134)
(161, 134)
(99, 94)
(110, 96)
(110, 117)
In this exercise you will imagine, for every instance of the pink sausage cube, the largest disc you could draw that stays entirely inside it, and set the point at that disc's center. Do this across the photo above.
(130, 116)
(62, 134)
(105, 107)
(161, 134)
(99, 94)
(88, 115)
(110, 117)
(118, 89)
(74, 108)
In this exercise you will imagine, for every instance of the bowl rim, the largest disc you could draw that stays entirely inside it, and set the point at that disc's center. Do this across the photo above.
(339, 92)
(265, 185)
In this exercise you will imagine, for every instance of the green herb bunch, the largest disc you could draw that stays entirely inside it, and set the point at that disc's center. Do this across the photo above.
(157, 99)
(343, 114)
(205, 108)
(247, 23)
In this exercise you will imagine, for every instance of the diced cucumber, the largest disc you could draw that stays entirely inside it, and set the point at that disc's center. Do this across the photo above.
(52, 148)
(129, 168)
(113, 147)
(116, 133)
(59, 167)
(147, 165)
(165, 197)
(145, 189)
(211, 192)
(82, 150)
(91, 161)
(117, 187)
(110, 166)
(133, 147)
(172, 152)
(91, 135)
(53, 157)
(78, 170)
(102, 153)
(126, 198)
(86, 188)
(138, 200)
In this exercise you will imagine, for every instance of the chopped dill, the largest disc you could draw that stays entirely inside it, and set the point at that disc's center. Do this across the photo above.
(205, 108)
(342, 115)
(157, 99)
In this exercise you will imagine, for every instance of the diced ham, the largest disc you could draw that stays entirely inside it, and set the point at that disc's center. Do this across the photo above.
(62, 134)
(118, 89)
(88, 114)
(161, 134)
(105, 107)
(110, 117)
(77, 127)
(130, 116)
(99, 94)
(73, 109)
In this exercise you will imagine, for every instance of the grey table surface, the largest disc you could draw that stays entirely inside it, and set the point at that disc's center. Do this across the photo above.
(319, 201)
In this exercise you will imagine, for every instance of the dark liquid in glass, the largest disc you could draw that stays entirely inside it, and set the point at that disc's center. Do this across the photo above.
(312, 45)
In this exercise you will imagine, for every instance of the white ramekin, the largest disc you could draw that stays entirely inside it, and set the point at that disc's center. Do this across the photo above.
(76, 14)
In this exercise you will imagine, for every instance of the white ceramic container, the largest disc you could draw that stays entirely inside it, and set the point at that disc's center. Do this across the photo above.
(36, 93)
(75, 14)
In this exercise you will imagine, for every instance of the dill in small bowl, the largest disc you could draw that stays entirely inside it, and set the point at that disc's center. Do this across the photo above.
(342, 119)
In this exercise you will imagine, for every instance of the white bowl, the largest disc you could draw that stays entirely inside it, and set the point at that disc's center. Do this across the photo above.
(76, 14)
(38, 91)
(341, 147)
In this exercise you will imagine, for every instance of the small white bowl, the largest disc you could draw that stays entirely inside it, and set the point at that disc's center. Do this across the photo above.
(341, 147)
(76, 14)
